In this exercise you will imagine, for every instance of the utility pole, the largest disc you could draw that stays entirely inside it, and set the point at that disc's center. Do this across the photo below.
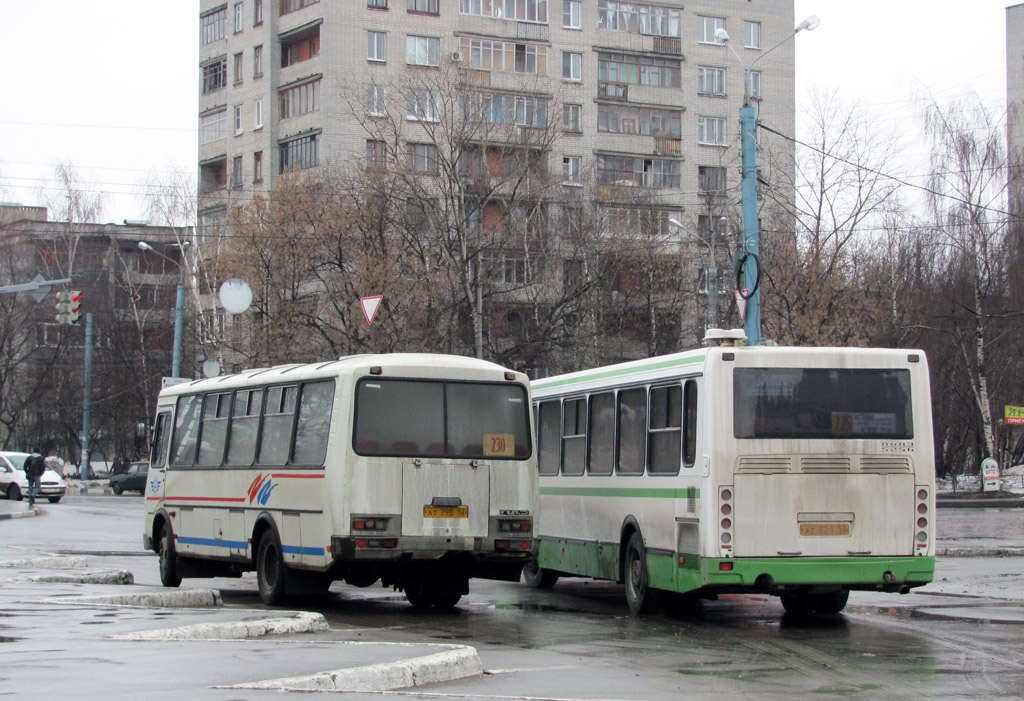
(85, 470)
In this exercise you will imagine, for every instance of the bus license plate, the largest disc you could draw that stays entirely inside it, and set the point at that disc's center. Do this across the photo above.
(825, 529)
(445, 512)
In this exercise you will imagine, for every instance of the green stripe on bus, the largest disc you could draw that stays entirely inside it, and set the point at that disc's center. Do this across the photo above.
(541, 384)
(638, 492)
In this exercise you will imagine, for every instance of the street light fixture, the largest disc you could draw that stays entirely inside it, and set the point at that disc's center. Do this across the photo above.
(178, 307)
(751, 235)
(712, 272)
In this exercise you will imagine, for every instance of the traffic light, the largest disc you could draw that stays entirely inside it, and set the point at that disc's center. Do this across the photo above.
(68, 305)
(74, 315)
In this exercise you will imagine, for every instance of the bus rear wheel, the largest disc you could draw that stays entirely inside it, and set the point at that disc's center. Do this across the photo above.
(271, 573)
(537, 577)
(169, 576)
(832, 603)
(639, 595)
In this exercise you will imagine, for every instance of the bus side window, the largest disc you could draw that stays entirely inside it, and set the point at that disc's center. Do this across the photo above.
(574, 435)
(690, 422)
(314, 423)
(216, 409)
(278, 425)
(161, 439)
(665, 429)
(245, 421)
(549, 436)
(601, 434)
(632, 423)
(186, 431)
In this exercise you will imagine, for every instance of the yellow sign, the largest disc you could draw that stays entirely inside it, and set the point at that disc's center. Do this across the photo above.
(824, 529)
(1014, 415)
(501, 444)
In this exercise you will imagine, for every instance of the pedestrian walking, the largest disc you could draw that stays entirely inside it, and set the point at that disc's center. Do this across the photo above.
(35, 466)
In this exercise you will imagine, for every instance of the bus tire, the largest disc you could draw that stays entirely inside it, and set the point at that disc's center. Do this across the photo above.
(419, 593)
(169, 575)
(446, 598)
(799, 604)
(537, 577)
(832, 603)
(639, 595)
(271, 573)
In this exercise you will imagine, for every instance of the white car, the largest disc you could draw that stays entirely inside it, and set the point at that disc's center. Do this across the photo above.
(14, 483)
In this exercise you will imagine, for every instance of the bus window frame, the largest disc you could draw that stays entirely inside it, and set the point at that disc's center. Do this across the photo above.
(618, 430)
(590, 434)
(576, 437)
(652, 432)
(556, 404)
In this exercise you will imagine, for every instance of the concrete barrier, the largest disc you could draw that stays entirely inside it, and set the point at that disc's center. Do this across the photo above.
(302, 622)
(171, 598)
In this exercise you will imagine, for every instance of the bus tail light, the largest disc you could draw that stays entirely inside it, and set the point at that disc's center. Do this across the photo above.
(370, 523)
(511, 545)
(921, 538)
(377, 543)
(515, 526)
(725, 507)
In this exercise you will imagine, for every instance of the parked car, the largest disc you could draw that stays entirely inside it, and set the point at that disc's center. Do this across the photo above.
(134, 480)
(14, 483)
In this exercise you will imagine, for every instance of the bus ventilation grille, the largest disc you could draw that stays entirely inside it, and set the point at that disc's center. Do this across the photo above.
(765, 464)
(880, 464)
(825, 464)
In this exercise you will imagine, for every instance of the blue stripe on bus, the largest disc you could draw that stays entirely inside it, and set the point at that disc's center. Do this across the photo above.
(214, 543)
(299, 550)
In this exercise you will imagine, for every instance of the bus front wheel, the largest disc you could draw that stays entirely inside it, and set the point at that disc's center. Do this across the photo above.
(639, 595)
(537, 577)
(271, 574)
(169, 576)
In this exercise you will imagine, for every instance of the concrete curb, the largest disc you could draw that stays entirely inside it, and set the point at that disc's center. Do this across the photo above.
(302, 622)
(48, 563)
(979, 552)
(456, 663)
(110, 577)
(31, 511)
(185, 598)
(979, 503)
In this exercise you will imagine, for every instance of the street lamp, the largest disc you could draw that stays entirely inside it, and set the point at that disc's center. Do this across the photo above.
(751, 235)
(712, 273)
(178, 307)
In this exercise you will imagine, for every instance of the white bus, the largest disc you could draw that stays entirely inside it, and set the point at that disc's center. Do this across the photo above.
(798, 472)
(415, 470)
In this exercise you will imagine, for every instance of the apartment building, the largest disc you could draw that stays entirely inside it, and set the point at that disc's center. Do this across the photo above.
(643, 97)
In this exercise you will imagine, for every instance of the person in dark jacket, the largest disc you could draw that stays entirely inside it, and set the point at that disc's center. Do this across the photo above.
(35, 466)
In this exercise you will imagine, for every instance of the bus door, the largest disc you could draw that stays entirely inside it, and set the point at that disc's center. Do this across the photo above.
(157, 478)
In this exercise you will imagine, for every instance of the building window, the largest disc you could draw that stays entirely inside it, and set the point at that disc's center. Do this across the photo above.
(710, 81)
(711, 131)
(421, 105)
(375, 105)
(710, 180)
(647, 121)
(236, 172)
(422, 51)
(572, 65)
(258, 110)
(215, 75)
(377, 4)
(257, 61)
(754, 84)
(706, 28)
(572, 118)
(637, 171)
(752, 35)
(572, 14)
(522, 10)
(257, 12)
(428, 6)
(616, 71)
(524, 110)
(213, 126)
(257, 167)
(213, 25)
(422, 158)
(376, 46)
(293, 5)
(374, 153)
(630, 221)
(638, 19)
(571, 166)
(238, 119)
(239, 17)
(302, 49)
(300, 99)
(238, 68)
(301, 153)
(510, 57)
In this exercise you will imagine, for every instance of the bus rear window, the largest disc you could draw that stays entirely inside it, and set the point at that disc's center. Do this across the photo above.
(424, 418)
(821, 403)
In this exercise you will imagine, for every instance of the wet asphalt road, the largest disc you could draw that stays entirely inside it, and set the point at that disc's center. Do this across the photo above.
(576, 641)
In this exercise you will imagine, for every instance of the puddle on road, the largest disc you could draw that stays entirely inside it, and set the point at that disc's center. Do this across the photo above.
(8, 639)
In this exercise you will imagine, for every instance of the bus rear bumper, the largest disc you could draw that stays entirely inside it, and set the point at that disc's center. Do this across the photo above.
(389, 547)
(772, 575)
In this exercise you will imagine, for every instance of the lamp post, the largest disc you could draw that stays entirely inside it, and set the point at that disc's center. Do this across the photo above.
(712, 273)
(748, 151)
(179, 305)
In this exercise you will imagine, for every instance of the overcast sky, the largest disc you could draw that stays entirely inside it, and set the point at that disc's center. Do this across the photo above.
(111, 86)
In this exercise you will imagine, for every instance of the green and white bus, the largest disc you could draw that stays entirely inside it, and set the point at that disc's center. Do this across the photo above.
(797, 472)
(415, 470)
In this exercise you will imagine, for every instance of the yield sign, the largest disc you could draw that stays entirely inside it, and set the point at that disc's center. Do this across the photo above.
(741, 304)
(370, 305)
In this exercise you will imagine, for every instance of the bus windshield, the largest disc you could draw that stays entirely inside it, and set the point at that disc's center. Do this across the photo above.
(821, 403)
(430, 418)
